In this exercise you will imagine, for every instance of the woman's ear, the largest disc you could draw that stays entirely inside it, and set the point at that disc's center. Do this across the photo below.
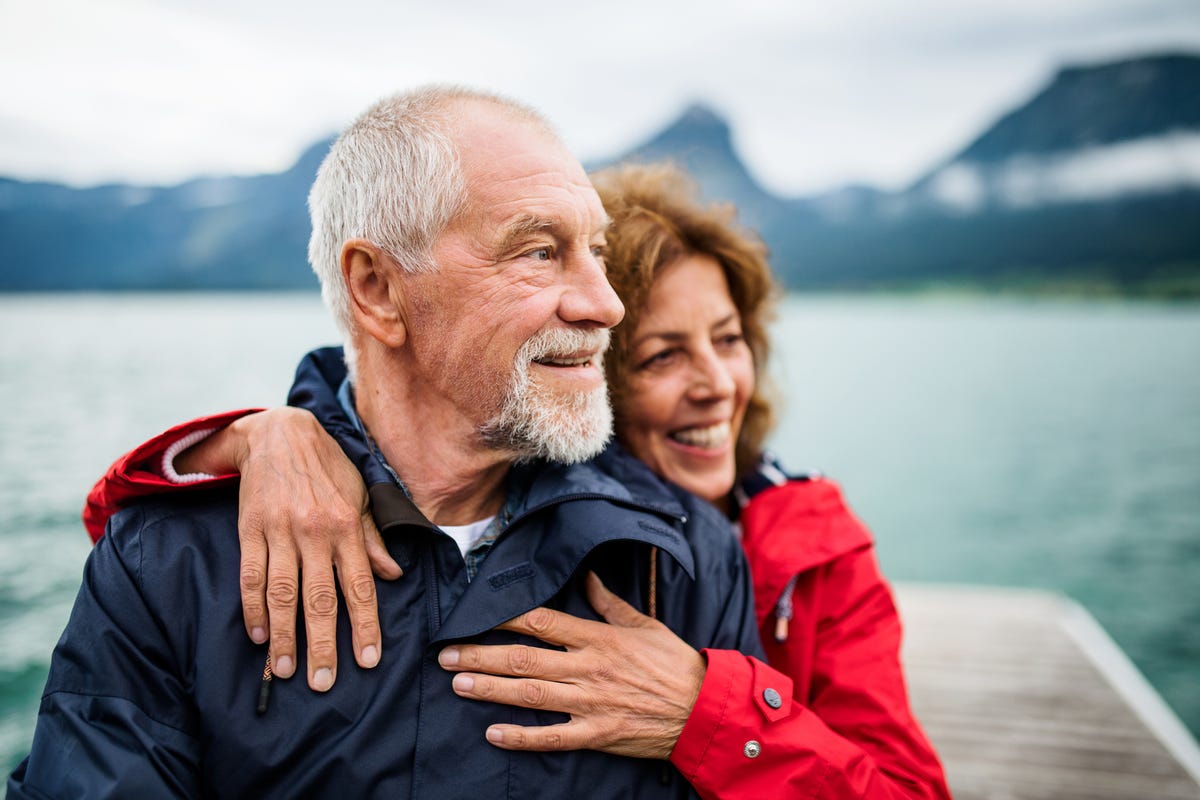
(373, 281)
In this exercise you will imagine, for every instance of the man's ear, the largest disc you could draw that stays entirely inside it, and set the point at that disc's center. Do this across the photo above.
(373, 281)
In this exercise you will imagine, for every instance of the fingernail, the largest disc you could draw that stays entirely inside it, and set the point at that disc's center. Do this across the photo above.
(448, 657)
(323, 679)
(494, 735)
(463, 682)
(258, 635)
(284, 667)
(370, 655)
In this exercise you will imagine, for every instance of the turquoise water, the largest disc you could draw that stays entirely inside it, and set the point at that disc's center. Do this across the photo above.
(1044, 444)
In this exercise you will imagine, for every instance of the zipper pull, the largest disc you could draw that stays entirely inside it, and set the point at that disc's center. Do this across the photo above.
(783, 610)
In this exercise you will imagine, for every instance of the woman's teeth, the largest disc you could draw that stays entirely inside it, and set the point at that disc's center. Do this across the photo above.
(708, 437)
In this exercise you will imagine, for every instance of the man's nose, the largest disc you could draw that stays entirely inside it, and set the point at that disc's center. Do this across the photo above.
(588, 297)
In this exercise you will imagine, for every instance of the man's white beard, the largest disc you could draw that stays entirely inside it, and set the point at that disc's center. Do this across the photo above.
(537, 421)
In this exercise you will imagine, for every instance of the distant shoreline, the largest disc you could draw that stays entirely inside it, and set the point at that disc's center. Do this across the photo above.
(1181, 291)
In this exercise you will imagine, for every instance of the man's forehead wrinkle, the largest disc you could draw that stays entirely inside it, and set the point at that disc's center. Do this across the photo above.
(497, 174)
(504, 180)
(521, 183)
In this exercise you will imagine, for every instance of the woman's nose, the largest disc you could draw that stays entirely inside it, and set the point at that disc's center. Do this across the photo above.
(711, 378)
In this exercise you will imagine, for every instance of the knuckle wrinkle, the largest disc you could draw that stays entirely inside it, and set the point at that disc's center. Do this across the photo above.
(320, 601)
(252, 579)
(522, 660)
(282, 592)
(540, 620)
(362, 588)
(534, 693)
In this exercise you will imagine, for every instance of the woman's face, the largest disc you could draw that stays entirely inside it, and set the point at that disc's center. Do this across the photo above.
(691, 377)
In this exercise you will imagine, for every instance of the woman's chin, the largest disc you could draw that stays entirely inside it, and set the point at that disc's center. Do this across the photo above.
(712, 484)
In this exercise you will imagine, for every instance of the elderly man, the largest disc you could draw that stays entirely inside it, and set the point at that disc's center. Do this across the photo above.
(458, 245)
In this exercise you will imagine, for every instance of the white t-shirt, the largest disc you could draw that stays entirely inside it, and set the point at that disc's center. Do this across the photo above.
(465, 536)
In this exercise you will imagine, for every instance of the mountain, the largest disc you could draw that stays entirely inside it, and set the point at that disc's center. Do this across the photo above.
(1093, 184)
(700, 140)
(208, 233)
(1094, 133)
(1086, 107)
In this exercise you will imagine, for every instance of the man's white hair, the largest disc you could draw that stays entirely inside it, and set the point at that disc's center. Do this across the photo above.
(393, 177)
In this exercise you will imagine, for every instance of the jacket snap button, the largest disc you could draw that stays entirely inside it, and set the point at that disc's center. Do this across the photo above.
(752, 749)
(772, 697)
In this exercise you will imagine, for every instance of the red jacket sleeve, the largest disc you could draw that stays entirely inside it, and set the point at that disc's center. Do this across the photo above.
(139, 472)
(843, 728)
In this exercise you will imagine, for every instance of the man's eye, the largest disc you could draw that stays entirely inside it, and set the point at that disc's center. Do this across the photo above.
(541, 254)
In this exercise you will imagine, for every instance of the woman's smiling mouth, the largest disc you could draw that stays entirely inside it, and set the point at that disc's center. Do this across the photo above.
(708, 437)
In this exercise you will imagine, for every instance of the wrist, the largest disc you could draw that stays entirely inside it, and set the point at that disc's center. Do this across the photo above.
(216, 452)
(178, 468)
(691, 694)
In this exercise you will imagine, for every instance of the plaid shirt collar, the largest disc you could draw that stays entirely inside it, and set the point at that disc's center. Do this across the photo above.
(516, 486)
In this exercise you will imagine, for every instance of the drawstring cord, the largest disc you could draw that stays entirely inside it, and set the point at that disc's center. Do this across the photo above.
(653, 583)
(264, 688)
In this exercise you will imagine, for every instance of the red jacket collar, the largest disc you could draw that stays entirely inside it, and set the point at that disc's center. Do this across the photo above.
(793, 528)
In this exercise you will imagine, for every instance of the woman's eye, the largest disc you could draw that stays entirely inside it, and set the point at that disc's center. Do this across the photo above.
(731, 339)
(599, 251)
(541, 254)
(661, 358)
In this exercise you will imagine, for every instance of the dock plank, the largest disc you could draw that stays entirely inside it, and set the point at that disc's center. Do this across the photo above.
(1026, 698)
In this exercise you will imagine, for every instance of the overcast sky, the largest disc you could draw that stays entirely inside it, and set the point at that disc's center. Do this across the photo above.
(819, 93)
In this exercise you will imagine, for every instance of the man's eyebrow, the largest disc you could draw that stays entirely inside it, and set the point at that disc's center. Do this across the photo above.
(530, 225)
(522, 228)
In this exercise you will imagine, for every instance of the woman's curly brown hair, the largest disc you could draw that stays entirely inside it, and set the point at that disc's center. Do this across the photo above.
(657, 219)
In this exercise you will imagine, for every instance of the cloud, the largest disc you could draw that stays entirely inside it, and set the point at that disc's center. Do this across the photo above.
(1150, 165)
(819, 94)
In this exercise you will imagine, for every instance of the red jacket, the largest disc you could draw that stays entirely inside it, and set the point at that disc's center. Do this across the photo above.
(843, 728)
(830, 720)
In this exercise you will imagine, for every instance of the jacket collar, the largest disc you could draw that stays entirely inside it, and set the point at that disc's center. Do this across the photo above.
(567, 512)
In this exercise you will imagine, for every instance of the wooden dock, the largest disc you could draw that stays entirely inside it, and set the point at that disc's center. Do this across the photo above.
(1027, 698)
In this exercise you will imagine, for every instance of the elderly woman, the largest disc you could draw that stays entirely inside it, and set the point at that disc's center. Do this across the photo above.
(828, 718)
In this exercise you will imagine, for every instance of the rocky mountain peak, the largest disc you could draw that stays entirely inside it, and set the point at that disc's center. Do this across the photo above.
(1098, 105)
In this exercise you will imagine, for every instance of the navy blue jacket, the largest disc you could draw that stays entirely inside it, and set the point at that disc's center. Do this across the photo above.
(153, 686)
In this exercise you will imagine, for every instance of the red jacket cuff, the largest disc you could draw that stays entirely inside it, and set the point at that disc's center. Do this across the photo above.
(740, 697)
(138, 473)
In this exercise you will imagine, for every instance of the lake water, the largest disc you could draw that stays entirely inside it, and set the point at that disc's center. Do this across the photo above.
(1044, 444)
